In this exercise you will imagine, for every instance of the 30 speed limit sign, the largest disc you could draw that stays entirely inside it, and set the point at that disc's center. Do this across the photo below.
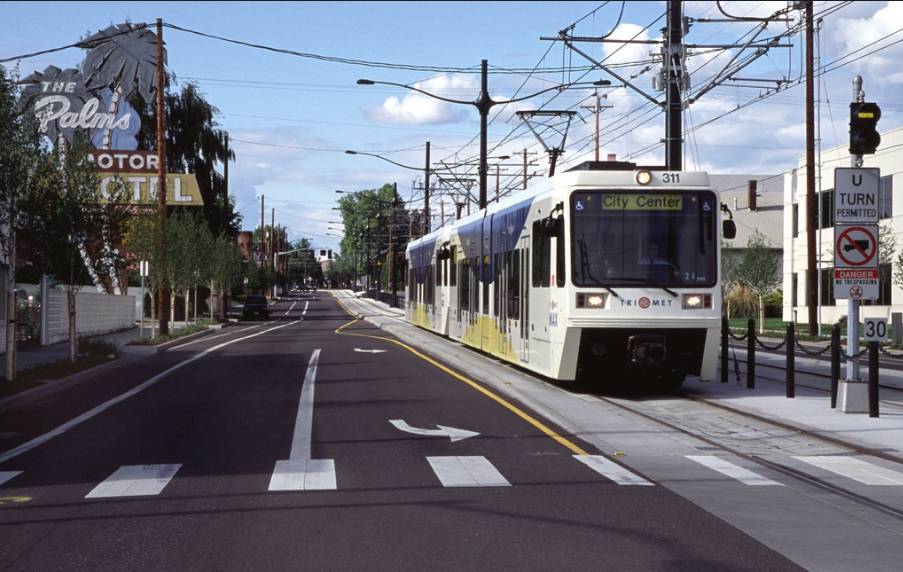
(874, 329)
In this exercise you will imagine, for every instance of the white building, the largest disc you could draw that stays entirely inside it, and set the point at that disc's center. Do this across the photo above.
(888, 158)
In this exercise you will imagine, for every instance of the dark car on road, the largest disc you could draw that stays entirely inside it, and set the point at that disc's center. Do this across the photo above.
(256, 306)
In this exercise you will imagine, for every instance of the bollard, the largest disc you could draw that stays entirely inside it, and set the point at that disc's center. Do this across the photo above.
(725, 340)
(873, 379)
(835, 363)
(791, 368)
(750, 354)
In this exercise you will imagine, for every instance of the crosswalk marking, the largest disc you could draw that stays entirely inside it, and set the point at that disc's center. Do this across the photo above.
(733, 471)
(303, 475)
(472, 471)
(7, 475)
(135, 480)
(611, 470)
(856, 469)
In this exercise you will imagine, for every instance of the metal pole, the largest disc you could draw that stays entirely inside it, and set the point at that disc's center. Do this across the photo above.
(873, 379)
(391, 249)
(497, 176)
(835, 363)
(426, 191)
(750, 354)
(596, 134)
(725, 340)
(484, 104)
(791, 366)
(673, 104)
(141, 268)
(525, 169)
(853, 305)
(161, 184)
(811, 207)
(260, 245)
(225, 192)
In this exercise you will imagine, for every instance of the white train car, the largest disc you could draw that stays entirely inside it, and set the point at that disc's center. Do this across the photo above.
(596, 273)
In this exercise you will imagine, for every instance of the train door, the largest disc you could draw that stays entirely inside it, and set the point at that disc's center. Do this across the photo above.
(524, 284)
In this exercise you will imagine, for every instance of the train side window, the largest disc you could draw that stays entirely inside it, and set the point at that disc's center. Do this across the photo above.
(486, 276)
(453, 278)
(542, 256)
(463, 286)
(559, 254)
(496, 279)
(438, 268)
(513, 268)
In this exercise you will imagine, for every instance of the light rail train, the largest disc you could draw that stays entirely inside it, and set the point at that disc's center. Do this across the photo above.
(600, 273)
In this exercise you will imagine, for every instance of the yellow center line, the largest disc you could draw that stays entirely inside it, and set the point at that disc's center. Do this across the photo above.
(573, 447)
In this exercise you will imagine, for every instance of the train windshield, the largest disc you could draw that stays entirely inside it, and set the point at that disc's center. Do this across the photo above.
(629, 238)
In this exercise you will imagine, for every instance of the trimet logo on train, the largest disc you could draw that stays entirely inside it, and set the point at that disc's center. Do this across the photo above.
(646, 302)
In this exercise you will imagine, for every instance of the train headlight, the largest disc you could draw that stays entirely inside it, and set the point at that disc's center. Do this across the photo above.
(643, 177)
(697, 301)
(591, 300)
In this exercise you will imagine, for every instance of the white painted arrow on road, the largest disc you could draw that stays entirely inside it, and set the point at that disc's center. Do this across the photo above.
(369, 351)
(452, 433)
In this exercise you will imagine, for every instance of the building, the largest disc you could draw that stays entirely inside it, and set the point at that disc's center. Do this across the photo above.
(757, 204)
(324, 257)
(888, 157)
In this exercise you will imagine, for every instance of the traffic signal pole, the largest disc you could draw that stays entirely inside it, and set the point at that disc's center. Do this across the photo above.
(853, 305)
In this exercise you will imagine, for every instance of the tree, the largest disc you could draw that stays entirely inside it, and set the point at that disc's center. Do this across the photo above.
(21, 151)
(225, 269)
(188, 249)
(730, 262)
(74, 217)
(142, 243)
(759, 271)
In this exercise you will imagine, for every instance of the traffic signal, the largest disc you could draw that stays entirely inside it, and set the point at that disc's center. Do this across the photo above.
(864, 137)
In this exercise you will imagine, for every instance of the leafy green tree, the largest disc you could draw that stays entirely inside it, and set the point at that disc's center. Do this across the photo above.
(759, 271)
(225, 270)
(141, 241)
(21, 151)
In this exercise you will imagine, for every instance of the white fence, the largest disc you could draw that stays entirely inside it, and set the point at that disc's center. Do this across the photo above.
(94, 314)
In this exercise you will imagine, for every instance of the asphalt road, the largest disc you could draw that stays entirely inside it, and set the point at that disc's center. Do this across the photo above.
(218, 438)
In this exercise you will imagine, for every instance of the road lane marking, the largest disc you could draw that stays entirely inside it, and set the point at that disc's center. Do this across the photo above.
(7, 475)
(299, 472)
(359, 350)
(472, 471)
(207, 339)
(612, 471)
(290, 308)
(76, 421)
(573, 447)
(733, 471)
(452, 433)
(304, 312)
(135, 481)
(856, 469)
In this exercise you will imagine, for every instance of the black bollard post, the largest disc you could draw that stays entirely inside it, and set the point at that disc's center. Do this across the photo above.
(725, 340)
(750, 354)
(835, 363)
(873, 379)
(791, 367)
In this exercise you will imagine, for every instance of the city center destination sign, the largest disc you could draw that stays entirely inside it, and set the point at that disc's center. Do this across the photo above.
(856, 274)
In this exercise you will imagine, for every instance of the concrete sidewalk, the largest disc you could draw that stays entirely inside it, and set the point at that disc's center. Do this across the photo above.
(809, 411)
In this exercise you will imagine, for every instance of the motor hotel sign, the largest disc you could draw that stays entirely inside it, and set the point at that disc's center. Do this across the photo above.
(138, 170)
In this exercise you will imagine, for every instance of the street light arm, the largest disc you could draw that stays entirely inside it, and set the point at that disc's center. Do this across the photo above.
(412, 88)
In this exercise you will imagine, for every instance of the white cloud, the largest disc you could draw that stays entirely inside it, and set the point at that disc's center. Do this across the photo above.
(849, 34)
(416, 108)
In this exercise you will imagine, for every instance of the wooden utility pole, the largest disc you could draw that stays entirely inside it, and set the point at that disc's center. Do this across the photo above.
(260, 239)
(673, 72)
(426, 191)
(811, 204)
(272, 254)
(497, 177)
(597, 110)
(163, 301)
(525, 169)
(442, 212)
(225, 186)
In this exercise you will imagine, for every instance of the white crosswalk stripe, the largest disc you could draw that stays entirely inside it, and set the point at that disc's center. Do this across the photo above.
(611, 470)
(733, 471)
(472, 471)
(856, 469)
(7, 475)
(135, 480)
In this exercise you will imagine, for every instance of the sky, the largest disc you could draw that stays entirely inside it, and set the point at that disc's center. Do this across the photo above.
(290, 118)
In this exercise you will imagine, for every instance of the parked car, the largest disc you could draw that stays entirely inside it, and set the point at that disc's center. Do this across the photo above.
(256, 305)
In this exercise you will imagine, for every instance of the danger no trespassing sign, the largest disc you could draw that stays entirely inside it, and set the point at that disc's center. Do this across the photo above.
(856, 284)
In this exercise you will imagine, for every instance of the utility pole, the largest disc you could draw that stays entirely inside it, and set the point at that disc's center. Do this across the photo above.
(483, 103)
(271, 257)
(674, 69)
(426, 191)
(525, 169)
(812, 277)
(163, 301)
(596, 109)
(497, 177)
(392, 247)
(442, 212)
(225, 185)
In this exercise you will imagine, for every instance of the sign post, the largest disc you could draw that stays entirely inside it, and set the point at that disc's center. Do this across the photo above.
(143, 268)
(856, 275)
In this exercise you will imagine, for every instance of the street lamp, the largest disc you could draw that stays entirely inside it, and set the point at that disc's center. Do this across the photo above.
(483, 103)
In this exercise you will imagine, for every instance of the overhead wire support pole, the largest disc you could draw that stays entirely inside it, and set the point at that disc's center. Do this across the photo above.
(811, 268)
(674, 68)
(163, 301)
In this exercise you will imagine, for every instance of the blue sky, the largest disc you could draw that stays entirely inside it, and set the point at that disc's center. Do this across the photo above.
(291, 117)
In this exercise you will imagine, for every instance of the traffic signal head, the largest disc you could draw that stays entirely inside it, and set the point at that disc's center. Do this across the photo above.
(864, 137)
